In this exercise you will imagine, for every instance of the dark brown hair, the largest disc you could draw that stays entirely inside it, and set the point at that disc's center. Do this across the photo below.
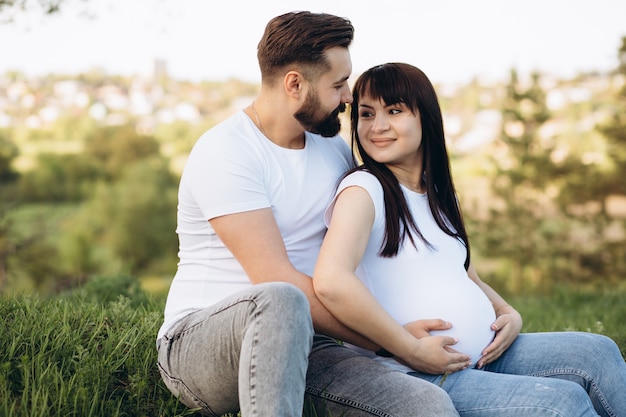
(395, 83)
(301, 38)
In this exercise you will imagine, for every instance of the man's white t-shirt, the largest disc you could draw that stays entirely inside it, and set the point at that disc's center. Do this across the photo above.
(422, 283)
(234, 168)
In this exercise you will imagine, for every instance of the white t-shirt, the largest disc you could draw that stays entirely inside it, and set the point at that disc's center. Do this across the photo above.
(423, 283)
(234, 168)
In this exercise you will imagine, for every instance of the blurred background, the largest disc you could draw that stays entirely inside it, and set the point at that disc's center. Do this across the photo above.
(100, 103)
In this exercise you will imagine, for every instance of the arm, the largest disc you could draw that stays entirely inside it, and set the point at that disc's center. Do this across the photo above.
(353, 304)
(254, 239)
(508, 322)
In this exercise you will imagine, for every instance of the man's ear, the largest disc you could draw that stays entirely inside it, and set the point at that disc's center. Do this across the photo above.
(293, 84)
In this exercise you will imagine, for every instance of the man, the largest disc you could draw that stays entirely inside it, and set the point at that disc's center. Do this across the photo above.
(243, 327)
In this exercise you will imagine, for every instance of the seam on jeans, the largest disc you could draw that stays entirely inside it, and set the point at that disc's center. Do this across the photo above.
(520, 408)
(252, 387)
(588, 378)
(200, 402)
(343, 401)
(252, 300)
(174, 335)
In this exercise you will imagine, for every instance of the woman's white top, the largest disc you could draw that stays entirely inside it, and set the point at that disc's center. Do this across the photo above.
(423, 283)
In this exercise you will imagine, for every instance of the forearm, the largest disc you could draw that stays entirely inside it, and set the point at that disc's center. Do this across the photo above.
(496, 300)
(352, 303)
(325, 322)
(499, 304)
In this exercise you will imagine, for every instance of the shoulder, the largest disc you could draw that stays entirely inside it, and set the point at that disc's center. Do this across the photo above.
(238, 126)
(367, 182)
(363, 179)
(234, 137)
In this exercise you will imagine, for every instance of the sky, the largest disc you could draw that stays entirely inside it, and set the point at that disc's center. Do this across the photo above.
(450, 40)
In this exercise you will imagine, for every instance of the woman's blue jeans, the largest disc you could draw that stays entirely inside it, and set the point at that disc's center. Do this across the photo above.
(564, 374)
(257, 352)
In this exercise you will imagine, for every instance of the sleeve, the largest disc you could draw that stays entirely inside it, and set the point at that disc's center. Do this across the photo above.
(370, 184)
(223, 176)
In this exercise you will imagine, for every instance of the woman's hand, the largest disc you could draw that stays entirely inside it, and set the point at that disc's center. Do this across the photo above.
(507, 326)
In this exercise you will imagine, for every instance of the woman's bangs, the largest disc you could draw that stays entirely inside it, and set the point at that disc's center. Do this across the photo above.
(387, 84)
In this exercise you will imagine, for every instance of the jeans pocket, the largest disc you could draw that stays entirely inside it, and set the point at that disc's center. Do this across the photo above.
(184, 394)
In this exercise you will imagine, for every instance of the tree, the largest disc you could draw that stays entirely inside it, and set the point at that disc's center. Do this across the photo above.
(8, 153)
(128, 226)
(615, 130)
(519, 230)
(47, 6)
(585, 196)
(25, 255)
(9, 9)
(115, 148)
(60, 178)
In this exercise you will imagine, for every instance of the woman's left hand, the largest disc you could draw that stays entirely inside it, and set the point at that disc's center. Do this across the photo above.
(507, 326)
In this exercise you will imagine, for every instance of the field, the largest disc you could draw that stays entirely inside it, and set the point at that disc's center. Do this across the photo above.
(92, 352)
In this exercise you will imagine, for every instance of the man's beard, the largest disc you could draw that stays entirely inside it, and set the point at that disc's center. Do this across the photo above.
(309, 115)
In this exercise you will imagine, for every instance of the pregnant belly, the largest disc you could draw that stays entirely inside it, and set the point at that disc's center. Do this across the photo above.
(461, 303)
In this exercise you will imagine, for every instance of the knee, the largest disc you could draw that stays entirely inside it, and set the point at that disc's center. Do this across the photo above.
(595, 349)
(436, 402)
(287, 295)
(286, 302)
(605, 344)
(445, 405)
(413, 393)
(572, 399)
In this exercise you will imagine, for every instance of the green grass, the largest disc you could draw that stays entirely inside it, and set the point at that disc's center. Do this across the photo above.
(78, 356)
(92, 352)
(602, 311)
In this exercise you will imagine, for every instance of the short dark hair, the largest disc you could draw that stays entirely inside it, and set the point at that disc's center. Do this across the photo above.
(301, 38)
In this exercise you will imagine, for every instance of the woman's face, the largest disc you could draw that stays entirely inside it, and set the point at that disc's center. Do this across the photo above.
(390, 134)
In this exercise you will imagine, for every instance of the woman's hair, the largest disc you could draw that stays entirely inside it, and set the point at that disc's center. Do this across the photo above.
(301, 38)
(395, 83)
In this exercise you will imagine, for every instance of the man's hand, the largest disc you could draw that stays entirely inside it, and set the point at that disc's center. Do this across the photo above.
(436, 354)
(422, 328)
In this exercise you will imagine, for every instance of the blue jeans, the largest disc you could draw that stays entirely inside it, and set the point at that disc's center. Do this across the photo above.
(343, 383)
(564, 374)
(256, 352)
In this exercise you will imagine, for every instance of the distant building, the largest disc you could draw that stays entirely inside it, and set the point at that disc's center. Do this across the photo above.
(160, 69)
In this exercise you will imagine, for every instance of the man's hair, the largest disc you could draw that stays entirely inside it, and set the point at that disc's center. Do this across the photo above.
(300, 39)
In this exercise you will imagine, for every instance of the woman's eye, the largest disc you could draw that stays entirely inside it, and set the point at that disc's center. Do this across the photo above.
(395, 111)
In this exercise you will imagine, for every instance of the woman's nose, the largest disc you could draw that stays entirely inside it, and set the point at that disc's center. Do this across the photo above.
(380, 124)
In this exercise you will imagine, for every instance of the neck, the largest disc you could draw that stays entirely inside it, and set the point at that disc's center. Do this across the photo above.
(280, 128)
(412, 182)
(413, 186)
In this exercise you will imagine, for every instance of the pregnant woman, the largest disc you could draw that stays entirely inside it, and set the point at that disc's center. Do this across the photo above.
(395, 266)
